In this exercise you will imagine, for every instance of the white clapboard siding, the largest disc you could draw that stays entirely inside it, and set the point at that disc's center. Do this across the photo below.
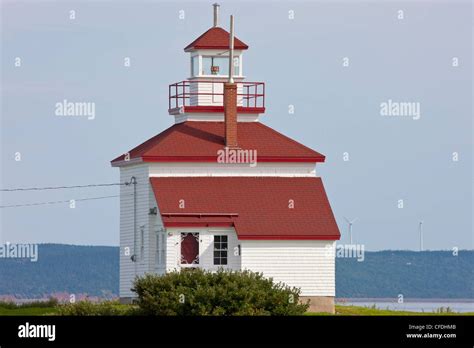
(213, 94)
(206, 248)
(308, 265)
(176, 169)
(146, 260)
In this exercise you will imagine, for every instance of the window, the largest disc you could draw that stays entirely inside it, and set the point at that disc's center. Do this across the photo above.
(195, 66)
(160, 248)
(220, 250)
(189, 248)
(218, 66)
(142, 242)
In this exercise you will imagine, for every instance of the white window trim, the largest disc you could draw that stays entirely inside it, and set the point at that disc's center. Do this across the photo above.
(214, 249)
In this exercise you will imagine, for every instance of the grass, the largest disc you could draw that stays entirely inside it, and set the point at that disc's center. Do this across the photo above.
(113, 308)
(28, 311)
(33, 308)
(370, 311)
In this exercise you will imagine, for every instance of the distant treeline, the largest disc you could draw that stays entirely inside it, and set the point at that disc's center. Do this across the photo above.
(94, 270)
(427, 274)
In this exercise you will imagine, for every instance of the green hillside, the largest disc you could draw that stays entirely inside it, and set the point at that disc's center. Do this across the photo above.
(427, 274)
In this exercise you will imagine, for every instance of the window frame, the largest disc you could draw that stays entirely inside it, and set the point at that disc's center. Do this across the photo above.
(220, 250)
(160, 256)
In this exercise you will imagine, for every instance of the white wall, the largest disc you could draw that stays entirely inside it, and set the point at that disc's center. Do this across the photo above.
(309, 265)
(206, 248)
(212, 117)
(227, 169)
(150, 224)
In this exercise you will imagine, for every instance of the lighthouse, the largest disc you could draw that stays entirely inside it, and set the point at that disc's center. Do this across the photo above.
(219, 189)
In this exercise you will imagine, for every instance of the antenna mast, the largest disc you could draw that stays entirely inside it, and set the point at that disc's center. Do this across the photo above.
(231, 49)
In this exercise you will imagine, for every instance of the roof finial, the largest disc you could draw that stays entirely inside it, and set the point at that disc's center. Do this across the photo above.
(216, 14)
(231, 49)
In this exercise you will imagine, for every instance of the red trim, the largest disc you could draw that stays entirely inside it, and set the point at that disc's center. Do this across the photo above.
(215, 109)
(202, 47)
(214, 159)
(199, 224)
(180, 94)
(199, 214)
(263, 237)
(240, 237)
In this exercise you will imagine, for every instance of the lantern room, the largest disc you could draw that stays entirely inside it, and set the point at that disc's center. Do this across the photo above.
(203, 91)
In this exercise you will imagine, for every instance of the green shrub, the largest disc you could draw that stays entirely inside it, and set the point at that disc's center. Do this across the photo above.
(198, 292)
(87, 308)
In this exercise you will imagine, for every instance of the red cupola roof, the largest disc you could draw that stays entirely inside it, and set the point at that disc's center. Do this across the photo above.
(200, 142)
(214, 39)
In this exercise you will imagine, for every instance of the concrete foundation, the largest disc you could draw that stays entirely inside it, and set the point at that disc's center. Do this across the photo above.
(323, 304)
(126, 300)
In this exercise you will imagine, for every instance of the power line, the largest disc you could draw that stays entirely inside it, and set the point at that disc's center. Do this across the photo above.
(61, 187)
(56, 202)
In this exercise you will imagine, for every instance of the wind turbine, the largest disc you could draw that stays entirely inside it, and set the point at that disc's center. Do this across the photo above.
(420, 228)
(350, 222)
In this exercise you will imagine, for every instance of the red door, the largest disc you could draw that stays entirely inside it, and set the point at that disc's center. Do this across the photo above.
(189, 248)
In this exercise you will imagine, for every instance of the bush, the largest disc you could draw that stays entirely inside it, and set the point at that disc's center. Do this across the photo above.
(198, 292)
(87, 308)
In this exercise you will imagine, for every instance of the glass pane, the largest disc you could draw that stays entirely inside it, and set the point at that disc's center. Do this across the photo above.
(221, 64)
(224, 261)
(194, 66)
(206, 65)
(224, 239)
(236, 69)
(215, 65)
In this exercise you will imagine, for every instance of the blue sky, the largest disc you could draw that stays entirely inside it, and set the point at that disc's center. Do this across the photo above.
(337, 108)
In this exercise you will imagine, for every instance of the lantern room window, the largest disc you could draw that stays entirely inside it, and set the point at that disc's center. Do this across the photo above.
(195, 66)
(214, 66)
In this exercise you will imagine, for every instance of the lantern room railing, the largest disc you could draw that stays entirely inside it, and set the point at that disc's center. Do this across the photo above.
(208, 96)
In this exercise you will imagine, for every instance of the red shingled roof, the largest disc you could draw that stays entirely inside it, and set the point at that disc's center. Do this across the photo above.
(199, 142)
(215, 38)
(257, 207)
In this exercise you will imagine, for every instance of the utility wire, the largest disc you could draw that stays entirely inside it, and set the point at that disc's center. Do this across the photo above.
(60, 187)
(56, 202)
